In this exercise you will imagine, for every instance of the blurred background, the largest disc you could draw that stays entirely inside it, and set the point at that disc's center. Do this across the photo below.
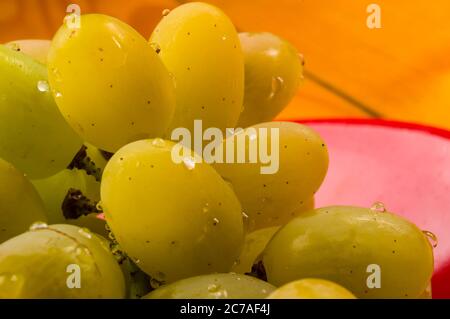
(400, 71)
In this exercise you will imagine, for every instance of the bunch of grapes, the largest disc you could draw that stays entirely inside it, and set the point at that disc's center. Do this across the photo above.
(93, 204)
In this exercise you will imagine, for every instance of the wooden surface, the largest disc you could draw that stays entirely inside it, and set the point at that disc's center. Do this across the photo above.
(401, 71)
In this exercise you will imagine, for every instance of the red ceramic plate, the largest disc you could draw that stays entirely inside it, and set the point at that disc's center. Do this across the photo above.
(403, 165)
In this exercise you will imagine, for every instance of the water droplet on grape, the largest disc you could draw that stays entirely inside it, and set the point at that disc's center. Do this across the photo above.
(43, 86)
(216, 221)
(276, 86)
(12, 283)
(189, 162)
(100, 209)
(14, 46)
(58, 94)
(158, 142)
(431, 237)
(111, 236)
(38, 226)
(213, 288)
(155, 283)
(85, 232)
(378, 207)
(244, 215)
(165, 12)
(302, 58)
(224, 38)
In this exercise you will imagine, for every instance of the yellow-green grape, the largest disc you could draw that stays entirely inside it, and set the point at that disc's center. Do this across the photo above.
(215, 286)
(273, 73)
(174, 220)
(109, 83)
(20, 204)
(294, 170)
(34, 137)
(373, 254)
(54, 189)
(254, 244)
(311, 288)
(59, 261)
(37, 49)
(200, 47)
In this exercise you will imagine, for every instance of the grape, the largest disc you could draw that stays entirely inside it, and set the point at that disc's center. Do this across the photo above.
(109, 83)
(174, 220)
(254, 244)
(20, 204)
(270, 199)
(34, 137)
(215, 286)
(200, 47)
(54, 189)
(273, 72)
(37, 49)
(352, 246)
(38, 264)
(311, 289)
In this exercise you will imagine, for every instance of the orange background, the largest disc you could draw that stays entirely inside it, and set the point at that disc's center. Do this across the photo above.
(401, 71)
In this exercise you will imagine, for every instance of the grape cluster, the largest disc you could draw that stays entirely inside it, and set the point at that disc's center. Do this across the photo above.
(93, 204)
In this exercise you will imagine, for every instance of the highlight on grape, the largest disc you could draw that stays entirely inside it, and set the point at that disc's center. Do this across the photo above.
(251, 145)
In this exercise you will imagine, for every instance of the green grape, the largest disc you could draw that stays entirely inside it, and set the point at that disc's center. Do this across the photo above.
(354, 247)
(37, 49)
(174, 220)
(20, 204)
(209, 78)
(273, 73)
(297, 169)
(311, 289)
(47, 261)
(109, 83)
(254, 245)
(34, 137)
(215, 286)
(54, 189)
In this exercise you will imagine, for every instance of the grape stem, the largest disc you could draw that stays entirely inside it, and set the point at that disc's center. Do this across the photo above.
(84, 162)
(75, 205)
